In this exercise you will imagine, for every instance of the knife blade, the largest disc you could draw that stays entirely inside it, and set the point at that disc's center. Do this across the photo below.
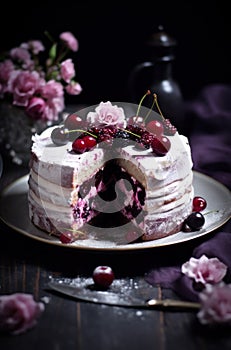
(128, 293)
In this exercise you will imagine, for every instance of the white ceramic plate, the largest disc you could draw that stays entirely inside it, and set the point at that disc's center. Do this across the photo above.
(14, 213)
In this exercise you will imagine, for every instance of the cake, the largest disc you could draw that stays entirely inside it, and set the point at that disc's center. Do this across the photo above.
(116, 168)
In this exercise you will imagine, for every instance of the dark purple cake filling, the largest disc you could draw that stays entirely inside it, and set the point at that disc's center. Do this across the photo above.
(119, 196)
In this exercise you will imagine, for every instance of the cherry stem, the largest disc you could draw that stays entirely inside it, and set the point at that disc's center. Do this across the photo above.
(140, 103)
(150, 109)
(74, 231)
(130, 132)
(80, 130)
(211, 211)
(157, 105)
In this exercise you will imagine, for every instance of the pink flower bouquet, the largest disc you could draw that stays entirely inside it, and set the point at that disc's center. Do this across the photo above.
(39, 88)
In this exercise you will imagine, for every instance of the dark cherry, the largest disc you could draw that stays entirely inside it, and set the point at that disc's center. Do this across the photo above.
(199, 203)
(195, 221)
(160, 145)
(74, 121)
(103, 276)
(155, 127)
(136, 120)
(59, 136)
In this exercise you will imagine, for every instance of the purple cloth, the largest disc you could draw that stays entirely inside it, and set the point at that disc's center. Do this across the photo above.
(209, 121)
(171, 276)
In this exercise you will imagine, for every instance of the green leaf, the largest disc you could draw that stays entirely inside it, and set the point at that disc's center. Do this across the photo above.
(53, 52)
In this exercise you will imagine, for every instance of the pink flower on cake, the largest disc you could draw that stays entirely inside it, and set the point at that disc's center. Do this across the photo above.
(205, 270)
(215, 304)
(19, 312)
(107, 114)
(25, 77)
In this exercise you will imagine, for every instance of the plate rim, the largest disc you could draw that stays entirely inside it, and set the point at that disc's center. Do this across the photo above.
(52, 240)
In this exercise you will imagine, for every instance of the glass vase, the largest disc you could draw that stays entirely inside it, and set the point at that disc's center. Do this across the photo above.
(16, 130)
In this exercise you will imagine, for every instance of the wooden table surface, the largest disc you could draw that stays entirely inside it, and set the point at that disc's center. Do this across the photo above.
(66, 324)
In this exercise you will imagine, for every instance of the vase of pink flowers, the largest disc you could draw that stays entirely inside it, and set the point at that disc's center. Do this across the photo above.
(33, 90)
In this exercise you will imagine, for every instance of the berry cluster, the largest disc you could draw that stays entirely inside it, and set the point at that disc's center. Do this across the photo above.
(110, 135)
(196, 219)
(85, 137)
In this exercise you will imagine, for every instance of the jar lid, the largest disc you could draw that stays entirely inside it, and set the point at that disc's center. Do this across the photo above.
(161, 45)
(161, 38)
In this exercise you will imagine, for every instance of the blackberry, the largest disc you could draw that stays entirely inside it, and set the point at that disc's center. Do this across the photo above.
(146, 139)
(106, 135)
(121, 138)
(136, 131)
(169, 129)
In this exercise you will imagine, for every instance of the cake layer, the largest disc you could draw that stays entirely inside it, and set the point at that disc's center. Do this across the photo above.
(159, 225)
(59, 165)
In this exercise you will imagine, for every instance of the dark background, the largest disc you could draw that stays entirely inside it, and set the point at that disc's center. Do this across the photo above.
(111, 39)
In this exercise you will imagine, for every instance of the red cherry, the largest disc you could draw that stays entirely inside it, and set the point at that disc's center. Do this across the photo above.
(90, 141)
(74, 121)
(66, 237)
(155, 127)
(160, 145)
(79, 146)
(199, 203)
(137, 120)
(103, 276)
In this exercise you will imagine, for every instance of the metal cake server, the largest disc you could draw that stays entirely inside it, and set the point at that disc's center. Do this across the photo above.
(131, 293)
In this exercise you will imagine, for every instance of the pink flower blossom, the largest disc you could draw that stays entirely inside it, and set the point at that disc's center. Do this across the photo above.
(52, 108)
(70, 40)
(107, 114)
(19, 312)
(35, 46)
(22, 56)
(73, 88)
(205, 270)
(23, 85)
(67, 70)
(52, 89)
(36, 107)
(215, 304)
(6, 68)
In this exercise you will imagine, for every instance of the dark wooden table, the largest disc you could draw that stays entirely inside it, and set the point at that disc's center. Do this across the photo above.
(66, 324)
